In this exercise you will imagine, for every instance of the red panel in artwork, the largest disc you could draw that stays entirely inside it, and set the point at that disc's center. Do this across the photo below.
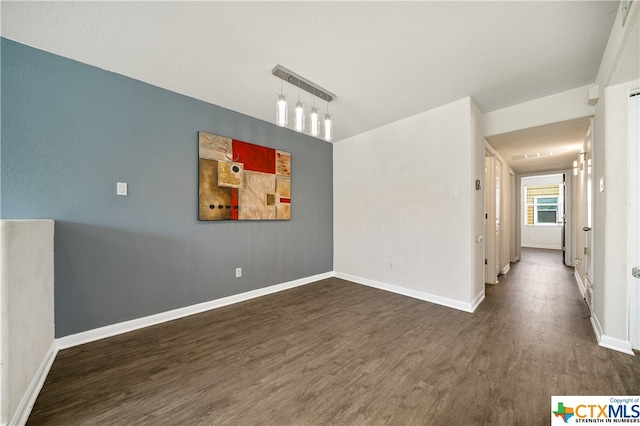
(285, 200)
(234, 203)
(255, 158)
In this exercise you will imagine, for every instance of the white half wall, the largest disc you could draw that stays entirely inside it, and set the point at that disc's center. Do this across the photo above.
(543, 237)
(405, 204)
(26, 295)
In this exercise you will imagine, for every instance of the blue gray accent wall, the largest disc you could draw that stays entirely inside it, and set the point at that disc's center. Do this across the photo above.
(70, 131)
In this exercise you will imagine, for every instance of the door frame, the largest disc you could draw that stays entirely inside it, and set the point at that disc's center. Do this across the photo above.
(490, 275)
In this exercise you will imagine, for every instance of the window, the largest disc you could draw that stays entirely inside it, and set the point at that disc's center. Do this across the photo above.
(546, 210)
(543, 205)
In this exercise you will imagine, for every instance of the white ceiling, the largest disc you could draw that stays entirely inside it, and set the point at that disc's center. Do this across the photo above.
(384, 60)
(558, 144)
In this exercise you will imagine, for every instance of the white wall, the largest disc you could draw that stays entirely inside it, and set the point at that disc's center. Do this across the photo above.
(546, 237)
(549, 109)
(618, 75)
(477, 210)
(27, 322)
(406, 212)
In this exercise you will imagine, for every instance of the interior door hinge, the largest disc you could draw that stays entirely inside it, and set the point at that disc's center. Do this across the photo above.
(485, 261)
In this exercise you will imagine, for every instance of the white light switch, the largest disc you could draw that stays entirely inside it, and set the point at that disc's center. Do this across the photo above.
(238, 272)
(121, 188)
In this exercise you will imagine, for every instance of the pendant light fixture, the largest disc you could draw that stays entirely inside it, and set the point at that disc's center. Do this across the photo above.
(282, 113)
(298, 124)
(299, 118)
(314, 119)
(328, 127)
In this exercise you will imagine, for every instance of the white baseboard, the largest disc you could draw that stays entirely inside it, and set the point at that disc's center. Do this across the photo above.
(506, 269)
(542, 246)
(609, 342)
(477, 300)
(23, 410)
(427, 297)
(579, 282)
(138, 323)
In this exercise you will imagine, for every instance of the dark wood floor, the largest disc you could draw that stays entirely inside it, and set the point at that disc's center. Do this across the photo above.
(335, 352)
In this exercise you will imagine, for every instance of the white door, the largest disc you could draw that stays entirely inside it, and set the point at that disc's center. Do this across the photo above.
(488, 230)
(490, 276)
(498, 176)
(588, 185)
(634, 226)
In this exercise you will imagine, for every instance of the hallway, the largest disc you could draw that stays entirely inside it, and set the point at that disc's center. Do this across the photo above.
(335, 352)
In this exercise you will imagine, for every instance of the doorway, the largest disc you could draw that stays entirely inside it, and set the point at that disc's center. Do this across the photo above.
(542, 222)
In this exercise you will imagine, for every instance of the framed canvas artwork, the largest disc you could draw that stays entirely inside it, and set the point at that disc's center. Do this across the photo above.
(242, 181)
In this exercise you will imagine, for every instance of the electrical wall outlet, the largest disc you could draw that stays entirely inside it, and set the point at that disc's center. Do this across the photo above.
(238, 272)
(121, 188)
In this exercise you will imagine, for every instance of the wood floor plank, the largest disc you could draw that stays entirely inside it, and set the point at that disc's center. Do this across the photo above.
(338, 353)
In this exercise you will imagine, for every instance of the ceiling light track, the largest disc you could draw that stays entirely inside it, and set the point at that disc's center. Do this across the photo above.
(301, 82)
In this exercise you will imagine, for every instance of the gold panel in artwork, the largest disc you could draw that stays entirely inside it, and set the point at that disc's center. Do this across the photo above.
(230, 174)
(214, 202)
(271, 199)
(283, 190)
(252, 199)
(283, 187)
(283, 211)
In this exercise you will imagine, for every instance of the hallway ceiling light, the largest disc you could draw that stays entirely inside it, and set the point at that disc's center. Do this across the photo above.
(539, 154)
(299, 122)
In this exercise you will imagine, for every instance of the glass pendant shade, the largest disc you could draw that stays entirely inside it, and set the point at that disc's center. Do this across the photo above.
(282, 114)
(314, 122)
(328, 128)
(298, 125)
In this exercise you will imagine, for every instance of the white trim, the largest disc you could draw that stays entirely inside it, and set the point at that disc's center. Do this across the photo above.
(135, 324)
(477, 301)
(542, 246)
(609, 342)
(597, 328)
(616, 344)
(579, 281)
(506, 269)
(444, 301)
(23, 410)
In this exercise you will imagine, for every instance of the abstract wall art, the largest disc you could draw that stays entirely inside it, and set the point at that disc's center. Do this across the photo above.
(242, 181)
